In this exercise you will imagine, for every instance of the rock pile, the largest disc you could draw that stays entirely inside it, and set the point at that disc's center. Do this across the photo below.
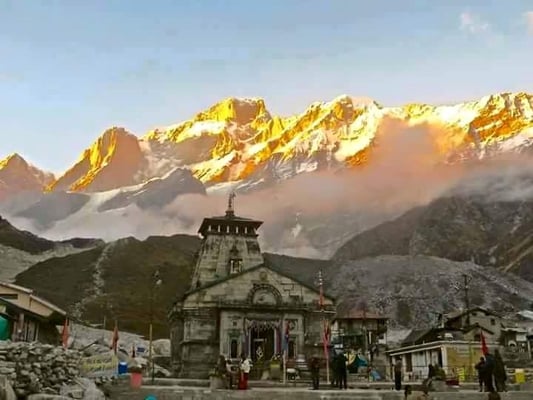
(37, 368)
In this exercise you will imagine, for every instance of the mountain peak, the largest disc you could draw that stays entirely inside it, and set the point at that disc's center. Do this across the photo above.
(13, 159)
(115, 151)
(17, 175)
(234, 109)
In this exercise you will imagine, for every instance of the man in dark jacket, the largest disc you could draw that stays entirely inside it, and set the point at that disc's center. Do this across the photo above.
(398, 367)
(480, 368)
(333, 367)
(342, 371)
(314, 366)
(488, 372)
(500, 375)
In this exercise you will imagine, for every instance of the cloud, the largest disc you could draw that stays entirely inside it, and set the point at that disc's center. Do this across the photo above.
(528, 15)
(473, 23)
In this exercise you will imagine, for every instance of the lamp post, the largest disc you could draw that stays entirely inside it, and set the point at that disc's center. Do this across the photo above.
(156, 281)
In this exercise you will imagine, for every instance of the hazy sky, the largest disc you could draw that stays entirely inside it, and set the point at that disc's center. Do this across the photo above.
(71, 68)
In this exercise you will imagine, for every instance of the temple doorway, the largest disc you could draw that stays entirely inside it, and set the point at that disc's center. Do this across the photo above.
(262, 343)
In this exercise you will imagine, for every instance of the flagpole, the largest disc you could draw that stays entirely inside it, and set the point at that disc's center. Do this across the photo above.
(285, 348)
(324, 323)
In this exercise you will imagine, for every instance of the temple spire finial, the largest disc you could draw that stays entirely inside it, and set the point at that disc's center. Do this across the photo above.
(230, 212)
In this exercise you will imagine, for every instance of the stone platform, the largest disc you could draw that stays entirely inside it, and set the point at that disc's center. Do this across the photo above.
(169, 389)
(183, 393)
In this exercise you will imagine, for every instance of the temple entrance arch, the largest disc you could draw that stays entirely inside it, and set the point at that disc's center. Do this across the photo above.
(264, 336)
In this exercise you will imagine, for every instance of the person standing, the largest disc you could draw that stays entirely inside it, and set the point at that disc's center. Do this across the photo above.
(488, 372)
(398, 367)
(333, 367)
(229, 372)
(245, 371)
(342, 371)
(500, 375)
(315, 372)
(480, 368)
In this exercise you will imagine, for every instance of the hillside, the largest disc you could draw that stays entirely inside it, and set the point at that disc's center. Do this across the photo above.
(410, 289)
(113, 280)
(491, 233)
(21, 249)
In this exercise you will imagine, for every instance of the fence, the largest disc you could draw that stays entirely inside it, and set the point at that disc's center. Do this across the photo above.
(461, 373)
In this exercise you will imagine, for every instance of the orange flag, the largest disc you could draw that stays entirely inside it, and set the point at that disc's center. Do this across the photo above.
(65, 334)
(114, 343)
(484, 348)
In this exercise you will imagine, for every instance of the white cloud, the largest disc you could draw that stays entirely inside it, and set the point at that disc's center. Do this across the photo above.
(473, 23)
(529, 21)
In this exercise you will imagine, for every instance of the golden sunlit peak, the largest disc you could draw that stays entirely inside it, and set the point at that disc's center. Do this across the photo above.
(12, 158)
(241, 110)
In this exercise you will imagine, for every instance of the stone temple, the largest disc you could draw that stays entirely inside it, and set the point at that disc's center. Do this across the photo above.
(238, 302)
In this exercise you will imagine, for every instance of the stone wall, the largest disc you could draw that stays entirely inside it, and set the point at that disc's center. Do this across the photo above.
(37, 368)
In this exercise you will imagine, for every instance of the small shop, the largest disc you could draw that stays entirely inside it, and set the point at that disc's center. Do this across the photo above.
(456, 358)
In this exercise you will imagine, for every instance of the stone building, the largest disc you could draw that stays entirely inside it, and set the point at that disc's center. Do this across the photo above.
(239, 303)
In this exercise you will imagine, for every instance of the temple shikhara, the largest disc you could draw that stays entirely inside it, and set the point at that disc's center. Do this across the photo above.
(240, 303)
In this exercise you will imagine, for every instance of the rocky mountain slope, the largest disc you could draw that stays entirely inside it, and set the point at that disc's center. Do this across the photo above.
(20, 249)
(491, 233)
(113, 280)
(410, 289)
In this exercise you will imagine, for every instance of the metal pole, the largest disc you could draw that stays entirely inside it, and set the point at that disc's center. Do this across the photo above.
(285, 344)
(327, 354)
(151, 358)
(324, 324)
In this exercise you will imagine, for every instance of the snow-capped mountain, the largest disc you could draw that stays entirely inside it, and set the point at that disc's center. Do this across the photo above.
(18, 176)
(239, 141)
(317, 178)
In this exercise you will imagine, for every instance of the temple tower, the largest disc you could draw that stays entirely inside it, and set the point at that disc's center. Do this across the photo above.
(229, 246)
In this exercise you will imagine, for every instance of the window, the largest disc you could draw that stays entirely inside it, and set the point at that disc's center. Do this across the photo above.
(9, 296)
(492, 321)
(235, 266)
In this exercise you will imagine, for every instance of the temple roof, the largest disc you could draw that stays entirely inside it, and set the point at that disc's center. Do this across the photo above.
(229, 219)
(276, 269)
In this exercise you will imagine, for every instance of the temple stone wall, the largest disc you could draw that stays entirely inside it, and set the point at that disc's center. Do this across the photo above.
(213, 260)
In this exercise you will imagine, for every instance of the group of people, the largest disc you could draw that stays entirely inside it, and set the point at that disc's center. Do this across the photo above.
(339, 370)
(232, 374)
(491, 373)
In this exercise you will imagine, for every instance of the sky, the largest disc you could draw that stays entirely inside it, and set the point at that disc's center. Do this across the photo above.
(71, 68)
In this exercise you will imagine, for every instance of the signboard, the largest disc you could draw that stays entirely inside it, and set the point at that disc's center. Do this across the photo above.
(100, 365)
(462, 359)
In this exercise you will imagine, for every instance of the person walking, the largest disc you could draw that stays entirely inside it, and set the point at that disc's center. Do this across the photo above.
(315, 372)
(500, 375)
(342, 371)
(398, 366)
(480, 368)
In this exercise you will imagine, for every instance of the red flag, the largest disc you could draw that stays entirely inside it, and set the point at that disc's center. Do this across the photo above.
(484, 348)
(114, 343)
(64, 334)
(325, 341)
